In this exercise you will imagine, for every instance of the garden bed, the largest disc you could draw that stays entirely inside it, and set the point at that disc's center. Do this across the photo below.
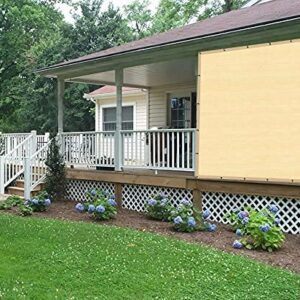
(287, 257)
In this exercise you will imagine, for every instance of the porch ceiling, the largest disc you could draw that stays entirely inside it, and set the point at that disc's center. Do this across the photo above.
(150, 75)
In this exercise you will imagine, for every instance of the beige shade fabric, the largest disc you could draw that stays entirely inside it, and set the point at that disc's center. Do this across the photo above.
(249, 116)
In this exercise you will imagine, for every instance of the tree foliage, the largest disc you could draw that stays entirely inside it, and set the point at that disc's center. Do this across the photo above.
(34, 34)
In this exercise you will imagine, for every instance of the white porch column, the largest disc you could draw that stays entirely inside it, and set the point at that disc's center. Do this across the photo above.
(60, 104)
(118, 138)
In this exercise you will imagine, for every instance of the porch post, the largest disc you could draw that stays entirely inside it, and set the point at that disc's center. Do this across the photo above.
(60, 104)
(118, 138)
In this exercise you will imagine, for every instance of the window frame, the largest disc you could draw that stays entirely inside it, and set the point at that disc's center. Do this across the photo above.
(103, 106)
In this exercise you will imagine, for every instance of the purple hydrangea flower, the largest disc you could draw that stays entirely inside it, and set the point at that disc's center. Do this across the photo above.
(245, 221)
(237, 244)
(273, 209)
(211, 227)
(264, 228)
(206, 214)
(277, 221)
(112, 202)
(91, 208)
(79, 207)
(185, 202)
(100, 209)
(178, 220)
(152, 202)
(47, 202)
(238, 232)
(243, 214)
(35, 201)
(191, 222)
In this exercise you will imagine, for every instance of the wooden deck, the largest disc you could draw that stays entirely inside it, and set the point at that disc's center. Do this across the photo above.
(186, 180)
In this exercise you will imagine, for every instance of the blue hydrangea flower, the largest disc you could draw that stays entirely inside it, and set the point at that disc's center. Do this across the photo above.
(185, 202)
(277, 221)
(162, 195)
(47, 202)
(152, 202)
(113, 196)
(264, 228)
(206, 214)
(211, 227)
(178, 220)
(93, 193)
(100, 209)
(91, 208)
(237, 244)
(245, 221)
(243, 214)
(35, 201)
(112, 202)
(238, 232)
(273, 208)
(79, 207)
(191, 222)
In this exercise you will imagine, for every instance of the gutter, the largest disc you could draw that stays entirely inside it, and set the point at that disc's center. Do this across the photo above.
(179, 42)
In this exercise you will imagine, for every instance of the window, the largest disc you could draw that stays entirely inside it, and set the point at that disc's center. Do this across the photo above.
(109, 118)
(180, 112)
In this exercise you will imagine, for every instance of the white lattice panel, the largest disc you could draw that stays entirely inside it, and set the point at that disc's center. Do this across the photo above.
(220, 203)
(76, 189)
(135, 196)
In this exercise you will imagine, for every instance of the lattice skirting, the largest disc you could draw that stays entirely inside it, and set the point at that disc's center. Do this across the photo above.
(135, 197)
(76, 189)
(220, 203)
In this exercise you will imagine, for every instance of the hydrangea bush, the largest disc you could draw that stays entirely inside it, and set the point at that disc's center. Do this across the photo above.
(40, 202)
(257, 229)
(188, 219)
(101, 205)
(159, 207)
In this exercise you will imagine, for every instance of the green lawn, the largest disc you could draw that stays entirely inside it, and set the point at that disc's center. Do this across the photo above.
(49, 259)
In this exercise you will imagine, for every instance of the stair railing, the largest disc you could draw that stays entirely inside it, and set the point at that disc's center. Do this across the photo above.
(12, 164)
(35, 169)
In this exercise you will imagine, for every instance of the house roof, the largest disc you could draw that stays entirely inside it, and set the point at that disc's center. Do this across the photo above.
(265, 13)
(109, 90)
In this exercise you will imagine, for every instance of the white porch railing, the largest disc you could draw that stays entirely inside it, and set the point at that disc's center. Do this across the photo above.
(9, 141)
(12, 164)
(35, 169)
(168, 149)
(89, 148)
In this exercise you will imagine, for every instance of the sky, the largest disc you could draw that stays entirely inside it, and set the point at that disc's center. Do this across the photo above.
(65, 9)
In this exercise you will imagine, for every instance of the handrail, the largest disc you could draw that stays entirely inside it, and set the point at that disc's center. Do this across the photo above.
(35, 169)
(12, 164)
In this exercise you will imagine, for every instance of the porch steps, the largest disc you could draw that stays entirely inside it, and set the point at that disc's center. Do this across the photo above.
(18, 189)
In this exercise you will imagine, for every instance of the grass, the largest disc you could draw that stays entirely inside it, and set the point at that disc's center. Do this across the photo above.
(51, 259)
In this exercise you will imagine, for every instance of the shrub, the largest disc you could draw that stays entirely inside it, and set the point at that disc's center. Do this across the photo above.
(257, 229)
(10, 202)
(55, 181)
(38, 203)
(25, 210)
(101, 205)
(188, 219)
(159, 207)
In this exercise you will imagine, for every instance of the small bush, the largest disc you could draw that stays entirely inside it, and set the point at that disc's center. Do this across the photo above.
(187, 219)
(10, 202)
(101, 205)
(257, 229)
(25, 210)
(38, 203)
(159, 207)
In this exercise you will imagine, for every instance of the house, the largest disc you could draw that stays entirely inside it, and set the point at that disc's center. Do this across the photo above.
(223, 94)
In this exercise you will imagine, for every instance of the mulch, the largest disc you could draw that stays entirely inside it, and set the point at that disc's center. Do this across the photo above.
(287, 257)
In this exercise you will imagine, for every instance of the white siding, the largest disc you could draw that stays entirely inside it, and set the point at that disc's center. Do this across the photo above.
(139, 101)
(158, 102)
